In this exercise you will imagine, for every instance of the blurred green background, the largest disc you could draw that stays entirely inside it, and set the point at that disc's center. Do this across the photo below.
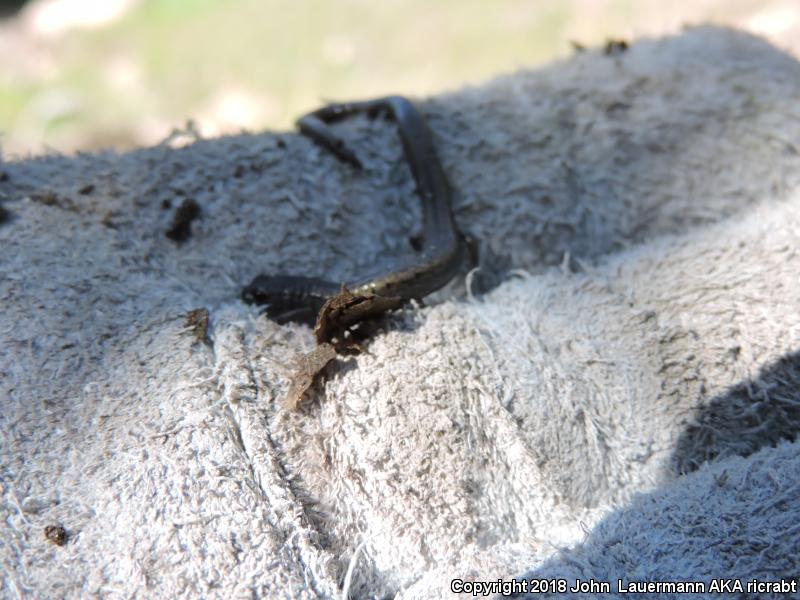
(84, 74)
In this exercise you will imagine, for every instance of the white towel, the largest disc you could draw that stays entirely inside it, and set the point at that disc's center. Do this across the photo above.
(622, 406)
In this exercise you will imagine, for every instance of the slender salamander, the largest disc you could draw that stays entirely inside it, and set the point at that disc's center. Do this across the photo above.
(443, 249)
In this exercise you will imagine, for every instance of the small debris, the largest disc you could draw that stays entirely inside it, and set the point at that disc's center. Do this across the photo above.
(617, 107)
(4, 214)
(197, 322)
(615, 47)
(108, 220)
(56, 534)
(50, 198)
(87, 189)
(308, 368)
(47, 198)
(721, 479)
(577, 46)
(181, 227)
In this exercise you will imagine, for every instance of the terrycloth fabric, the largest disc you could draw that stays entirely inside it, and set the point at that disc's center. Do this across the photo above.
(624, 405)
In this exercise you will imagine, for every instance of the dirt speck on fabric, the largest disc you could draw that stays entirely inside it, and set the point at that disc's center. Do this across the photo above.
(181, 228)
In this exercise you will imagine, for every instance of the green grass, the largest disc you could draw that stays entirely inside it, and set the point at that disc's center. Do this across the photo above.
(286, 56)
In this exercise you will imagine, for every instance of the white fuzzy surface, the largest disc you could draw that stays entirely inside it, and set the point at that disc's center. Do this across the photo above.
(623, 405)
